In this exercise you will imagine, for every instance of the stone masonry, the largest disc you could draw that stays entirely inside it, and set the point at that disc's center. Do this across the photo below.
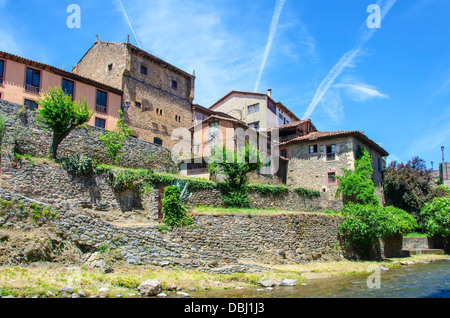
(157, 95)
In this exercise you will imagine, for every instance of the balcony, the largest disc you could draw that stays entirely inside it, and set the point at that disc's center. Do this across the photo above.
(100, 109)
(32, 89)
(331, 156)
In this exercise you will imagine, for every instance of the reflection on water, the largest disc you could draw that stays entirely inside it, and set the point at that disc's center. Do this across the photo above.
(415, 281)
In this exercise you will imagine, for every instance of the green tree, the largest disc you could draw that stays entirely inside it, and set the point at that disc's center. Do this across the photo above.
(174, 212)
(236, 166)
(408, 186)
(356, 185)
(60, 114)
(114, 141)
(435, 217)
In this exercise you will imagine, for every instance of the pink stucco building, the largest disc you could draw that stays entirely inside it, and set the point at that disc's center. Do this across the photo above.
(24, 81)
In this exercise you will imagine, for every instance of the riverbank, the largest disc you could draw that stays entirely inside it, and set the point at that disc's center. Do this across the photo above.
(50, 280)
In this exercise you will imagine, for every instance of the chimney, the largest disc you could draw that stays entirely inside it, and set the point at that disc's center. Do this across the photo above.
(128, 38)
(96, 38)
(269, 92)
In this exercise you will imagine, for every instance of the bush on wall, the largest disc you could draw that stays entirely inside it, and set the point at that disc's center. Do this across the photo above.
(174, 213)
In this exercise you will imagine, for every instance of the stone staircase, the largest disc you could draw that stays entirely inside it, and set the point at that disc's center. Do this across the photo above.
(422, 246)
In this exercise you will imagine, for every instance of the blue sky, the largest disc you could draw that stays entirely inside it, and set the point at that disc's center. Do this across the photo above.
(318, 56)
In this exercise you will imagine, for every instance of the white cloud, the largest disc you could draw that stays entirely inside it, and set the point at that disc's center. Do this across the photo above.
(361, 92)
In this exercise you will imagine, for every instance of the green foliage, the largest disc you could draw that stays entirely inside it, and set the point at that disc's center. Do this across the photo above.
(404, 222)
(364, 224)
(236, 166)
(114, 141)
(308, 192)
(264, 189)
(174, 213)
(356, 185)
(435, 216)
(78, 165)
(60, 114)
(440, 191)
(408, 186)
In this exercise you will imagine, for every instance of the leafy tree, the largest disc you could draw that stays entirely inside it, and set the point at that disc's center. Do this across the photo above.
(60, 114)
(435, 216)
(408, 186)
(236, 166)
(113, 141)
(356, 185)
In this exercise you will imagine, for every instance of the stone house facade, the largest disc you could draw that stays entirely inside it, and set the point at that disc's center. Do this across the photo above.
(23, 81)
(157, 96)
(317, 158)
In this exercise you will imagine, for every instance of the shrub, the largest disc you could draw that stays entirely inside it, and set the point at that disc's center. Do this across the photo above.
(404, 222)
(435, 216)
(174, 212)
(307, 192)
(114, 141)
(78, 165)
(364, 224)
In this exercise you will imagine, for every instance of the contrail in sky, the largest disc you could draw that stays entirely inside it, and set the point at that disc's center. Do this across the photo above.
(347, 59)
(129, 23)
(273, 29)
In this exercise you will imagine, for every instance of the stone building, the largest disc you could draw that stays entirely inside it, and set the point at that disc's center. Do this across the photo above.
(211, 130)
(23, 81)
(157, 96)
(258, 110)
(317, 158)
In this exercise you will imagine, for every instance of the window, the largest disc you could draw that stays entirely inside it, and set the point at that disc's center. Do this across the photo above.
(157, 141)
(380, 165)
(67, 87)
(110, 67)
(331, 152)
(159, 111)
(138, 105)
(254, 125)
(332, 178)
(178, 118)
(313, 149)
(31, 104)
(33, 80)
(2, 66)
(253, 109)
(284, 153)
(213, 131)
(100, 123)
(144, 70)
(174, 84)
(101, 102)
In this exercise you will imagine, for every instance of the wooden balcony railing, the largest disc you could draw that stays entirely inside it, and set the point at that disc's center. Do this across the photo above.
(100, 108)
(32, 89)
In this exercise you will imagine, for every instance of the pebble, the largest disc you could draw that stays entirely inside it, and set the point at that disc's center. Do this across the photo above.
(162, 295)
(182, 294)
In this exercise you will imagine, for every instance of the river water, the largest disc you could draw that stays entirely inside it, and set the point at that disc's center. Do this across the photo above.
(411, 281)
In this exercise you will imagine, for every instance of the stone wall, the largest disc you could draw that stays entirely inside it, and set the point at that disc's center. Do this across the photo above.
(47, 182)
(214, 241)
(26, 137)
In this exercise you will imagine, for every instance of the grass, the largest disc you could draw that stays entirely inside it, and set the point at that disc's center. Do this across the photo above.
(416, 234)
(243, 211)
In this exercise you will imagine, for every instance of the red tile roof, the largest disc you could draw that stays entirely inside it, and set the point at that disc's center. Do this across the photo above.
(320, 135)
